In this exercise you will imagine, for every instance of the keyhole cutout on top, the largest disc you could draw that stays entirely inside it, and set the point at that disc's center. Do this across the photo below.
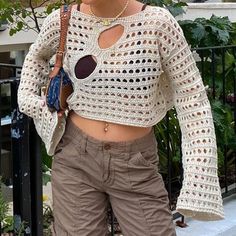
(109, 37)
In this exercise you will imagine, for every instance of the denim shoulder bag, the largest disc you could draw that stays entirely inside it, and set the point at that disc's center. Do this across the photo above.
(60, 86)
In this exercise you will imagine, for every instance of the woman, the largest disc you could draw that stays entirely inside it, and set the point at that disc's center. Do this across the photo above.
(116, 53)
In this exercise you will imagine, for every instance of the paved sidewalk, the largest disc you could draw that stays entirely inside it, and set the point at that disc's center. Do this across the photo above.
(226, 227)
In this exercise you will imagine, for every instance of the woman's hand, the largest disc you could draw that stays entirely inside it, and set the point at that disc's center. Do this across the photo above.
(60, 113)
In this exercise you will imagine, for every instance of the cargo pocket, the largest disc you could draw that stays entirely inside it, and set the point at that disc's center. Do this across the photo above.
(65, 152)
(147, 158)
(143, 171)
(144, 176)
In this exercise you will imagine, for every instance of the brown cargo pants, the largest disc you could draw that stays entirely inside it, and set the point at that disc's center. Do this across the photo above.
(87, 172)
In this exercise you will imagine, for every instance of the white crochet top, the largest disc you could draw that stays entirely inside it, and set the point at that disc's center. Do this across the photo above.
(127, 87)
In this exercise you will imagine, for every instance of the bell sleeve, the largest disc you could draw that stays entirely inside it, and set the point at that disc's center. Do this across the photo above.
(35, 75)
(200, 195)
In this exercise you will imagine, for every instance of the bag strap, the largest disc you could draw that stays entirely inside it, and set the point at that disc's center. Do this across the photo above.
(65, 13)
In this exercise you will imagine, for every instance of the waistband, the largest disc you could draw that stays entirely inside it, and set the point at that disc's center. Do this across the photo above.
(82, 138)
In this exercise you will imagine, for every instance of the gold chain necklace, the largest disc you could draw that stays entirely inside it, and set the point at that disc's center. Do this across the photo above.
(108, 21)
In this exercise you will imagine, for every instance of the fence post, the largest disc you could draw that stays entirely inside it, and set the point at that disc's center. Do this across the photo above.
(0, 145)
(21, 166)
(36, 182)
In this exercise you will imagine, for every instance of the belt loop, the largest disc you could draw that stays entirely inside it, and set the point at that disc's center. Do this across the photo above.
(82, 142)
(128, 147)
(85, 143)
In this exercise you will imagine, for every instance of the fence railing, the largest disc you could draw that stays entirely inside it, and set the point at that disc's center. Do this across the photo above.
(24, 146)
(222, 81)
(25, 152)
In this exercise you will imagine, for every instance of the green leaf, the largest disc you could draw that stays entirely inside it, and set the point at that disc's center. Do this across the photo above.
(19, 25)
(175, 10)
(46, 178)
(12, 32)
(10, 18)
(223, 36)
(7, 224)
(221, 22)
(198, 32)
(24, 13)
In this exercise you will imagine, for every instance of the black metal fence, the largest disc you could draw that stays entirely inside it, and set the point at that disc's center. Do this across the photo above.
(218, 66)
(23, 145)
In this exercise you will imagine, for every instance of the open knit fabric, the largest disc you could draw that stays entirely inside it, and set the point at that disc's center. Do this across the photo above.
(128, 87)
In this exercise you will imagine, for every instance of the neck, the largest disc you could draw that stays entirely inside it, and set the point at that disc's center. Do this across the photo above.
(107, 8)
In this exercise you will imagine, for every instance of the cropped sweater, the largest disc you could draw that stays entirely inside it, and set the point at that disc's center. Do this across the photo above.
(136, 81)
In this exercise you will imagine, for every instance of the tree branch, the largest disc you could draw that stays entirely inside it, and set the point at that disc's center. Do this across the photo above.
(43, 3)
(34, 16)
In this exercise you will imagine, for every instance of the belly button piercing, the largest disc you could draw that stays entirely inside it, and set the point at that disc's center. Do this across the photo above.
(106, 127)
